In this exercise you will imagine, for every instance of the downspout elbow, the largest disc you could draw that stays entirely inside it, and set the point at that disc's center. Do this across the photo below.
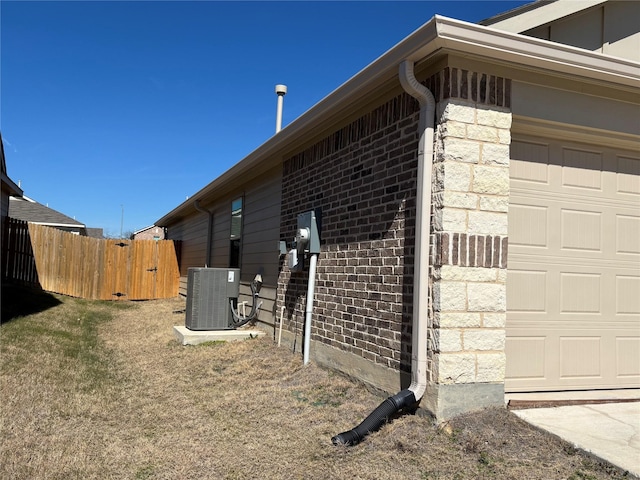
(419, 92)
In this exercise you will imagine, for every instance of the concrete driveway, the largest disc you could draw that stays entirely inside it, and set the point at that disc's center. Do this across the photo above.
(609, 431)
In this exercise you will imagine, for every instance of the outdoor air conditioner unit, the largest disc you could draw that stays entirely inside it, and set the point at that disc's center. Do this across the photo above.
(209, 291)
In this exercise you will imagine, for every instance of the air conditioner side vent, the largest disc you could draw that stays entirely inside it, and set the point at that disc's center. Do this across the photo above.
(208, 294)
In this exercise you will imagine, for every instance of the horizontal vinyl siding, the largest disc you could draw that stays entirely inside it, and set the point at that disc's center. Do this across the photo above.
(268, 299)
(260, 236)
(261, 230)
(192, 233)
(221, 235)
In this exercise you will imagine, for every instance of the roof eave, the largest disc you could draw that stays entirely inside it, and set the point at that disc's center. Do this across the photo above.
(54, 224)
(439, 35)
(10, 186)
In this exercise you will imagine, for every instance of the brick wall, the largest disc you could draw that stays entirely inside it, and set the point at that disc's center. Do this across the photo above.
(362, 178)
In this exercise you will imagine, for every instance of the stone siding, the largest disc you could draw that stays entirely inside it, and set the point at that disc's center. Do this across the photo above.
(470, 200)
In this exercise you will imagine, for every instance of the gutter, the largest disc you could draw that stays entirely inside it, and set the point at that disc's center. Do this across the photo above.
(441, 35)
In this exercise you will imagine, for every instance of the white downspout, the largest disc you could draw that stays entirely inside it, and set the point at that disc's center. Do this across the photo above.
(410, 396)
(423, 228)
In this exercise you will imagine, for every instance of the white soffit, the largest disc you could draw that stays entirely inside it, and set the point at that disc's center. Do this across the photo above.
(540, 15)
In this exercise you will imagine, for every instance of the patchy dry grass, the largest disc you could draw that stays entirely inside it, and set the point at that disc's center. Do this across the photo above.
(103, 390)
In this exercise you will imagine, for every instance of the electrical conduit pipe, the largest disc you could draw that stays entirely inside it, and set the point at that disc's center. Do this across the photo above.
(413, 394)
(313, 261)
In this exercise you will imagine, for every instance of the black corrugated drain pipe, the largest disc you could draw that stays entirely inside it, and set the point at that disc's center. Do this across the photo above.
(376, 419)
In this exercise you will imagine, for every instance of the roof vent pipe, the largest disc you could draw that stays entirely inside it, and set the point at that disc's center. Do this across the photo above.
(281, 90)
(408, 398)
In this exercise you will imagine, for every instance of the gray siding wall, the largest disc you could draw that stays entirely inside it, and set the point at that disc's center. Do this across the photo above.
(612, 29)
(260, 235)
(221, 233)
(192, 232)
(261, 230)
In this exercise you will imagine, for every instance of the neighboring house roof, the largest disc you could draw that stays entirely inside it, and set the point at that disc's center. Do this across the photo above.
(144, 229)
(7, 184)
(437, 38)
(24, 208)
(95, 232)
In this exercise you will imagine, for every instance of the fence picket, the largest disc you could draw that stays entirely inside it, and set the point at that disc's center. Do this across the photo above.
(89, 268)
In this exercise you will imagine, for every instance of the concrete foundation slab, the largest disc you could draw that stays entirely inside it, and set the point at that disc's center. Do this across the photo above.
(194, 337)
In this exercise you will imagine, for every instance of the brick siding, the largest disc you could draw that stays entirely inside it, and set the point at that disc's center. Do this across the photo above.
(362, 178)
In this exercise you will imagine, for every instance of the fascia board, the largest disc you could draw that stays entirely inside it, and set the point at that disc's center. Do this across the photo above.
(10, 185)
(143, 229)
(541, 15)
(440, 34)
(68, 225)
(535, 53)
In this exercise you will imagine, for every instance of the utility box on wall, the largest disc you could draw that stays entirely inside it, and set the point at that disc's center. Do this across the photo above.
(209, 292)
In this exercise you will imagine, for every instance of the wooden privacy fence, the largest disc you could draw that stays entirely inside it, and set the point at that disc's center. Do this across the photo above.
(18, 263)
(101, 269)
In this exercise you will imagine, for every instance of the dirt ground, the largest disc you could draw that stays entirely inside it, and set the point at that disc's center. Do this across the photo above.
(149, 407)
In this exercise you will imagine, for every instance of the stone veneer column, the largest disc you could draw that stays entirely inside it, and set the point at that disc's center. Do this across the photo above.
(469, 252)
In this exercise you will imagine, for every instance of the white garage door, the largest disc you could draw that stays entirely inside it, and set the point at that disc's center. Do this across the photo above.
(573, 282)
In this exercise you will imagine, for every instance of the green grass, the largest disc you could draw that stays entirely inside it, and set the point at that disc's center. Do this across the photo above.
(65, 332)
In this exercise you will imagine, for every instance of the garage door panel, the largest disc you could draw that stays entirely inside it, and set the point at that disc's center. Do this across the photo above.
(582, 169)
(573, 281)
(580, 357)
(628, 175)
(527, 291)
(561, 360)
(628, 357)
(530, 162)
(627, 295)
(528, 355)
(627, 234)
(581, 230)
(580, 292)
(529, 227)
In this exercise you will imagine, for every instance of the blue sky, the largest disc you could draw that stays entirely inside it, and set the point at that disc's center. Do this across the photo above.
(112, 107)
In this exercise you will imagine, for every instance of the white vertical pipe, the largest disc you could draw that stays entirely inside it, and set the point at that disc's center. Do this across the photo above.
(280, 326)
(310, 293)
(281, 90)
(423, 228)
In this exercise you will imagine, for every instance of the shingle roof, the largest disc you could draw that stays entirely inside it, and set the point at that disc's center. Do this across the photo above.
(32, 211)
